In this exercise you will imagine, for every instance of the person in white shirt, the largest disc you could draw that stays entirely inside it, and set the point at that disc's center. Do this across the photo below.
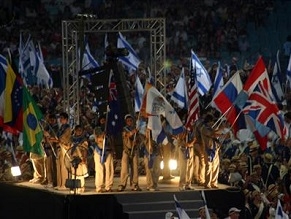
(233, 213)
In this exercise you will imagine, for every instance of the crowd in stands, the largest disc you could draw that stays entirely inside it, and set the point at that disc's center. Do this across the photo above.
(206, 26)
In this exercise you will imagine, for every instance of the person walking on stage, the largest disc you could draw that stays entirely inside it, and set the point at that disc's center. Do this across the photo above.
(130, 155)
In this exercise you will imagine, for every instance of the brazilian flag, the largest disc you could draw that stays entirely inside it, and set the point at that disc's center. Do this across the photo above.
(32, 132)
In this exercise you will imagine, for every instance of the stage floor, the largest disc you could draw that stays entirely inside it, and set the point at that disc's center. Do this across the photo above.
(164, 186)
(28, 200)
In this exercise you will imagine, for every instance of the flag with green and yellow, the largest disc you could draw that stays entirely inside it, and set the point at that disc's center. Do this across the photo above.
(32, 131)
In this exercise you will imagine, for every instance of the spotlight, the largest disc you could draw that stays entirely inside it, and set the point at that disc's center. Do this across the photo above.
(173, 164)
(15, 171)
(162, 165)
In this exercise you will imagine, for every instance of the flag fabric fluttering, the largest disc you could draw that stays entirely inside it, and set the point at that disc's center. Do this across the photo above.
(138, 94)
(12, 101)
(276, 82)
(156, 104)
(32, 131)
(193, 100)
(225, 98)
(25, 55)
(31, 64)
(42, 75)
(181, 212)
(259, 74)
(218, 81)
(203, 79)
(114, 124)
(179, 95)
(131, 61)
(259, 130)
(3, 70)
(158, 133)
(263, 109)
(280, 214)
(88, 61)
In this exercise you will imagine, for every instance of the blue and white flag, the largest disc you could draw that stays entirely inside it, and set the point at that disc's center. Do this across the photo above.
(280, 214)
(218, 81)
(276, 81)
(288, 73)
(179, 95)
(41, 72)
(203, 79)
(181, 212)
(131, 61)
(88, 61)
(26, 50)
(158, 133)
(138, 94)
(157, 104)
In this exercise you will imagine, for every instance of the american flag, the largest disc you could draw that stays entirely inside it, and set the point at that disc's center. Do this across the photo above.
(193, 100)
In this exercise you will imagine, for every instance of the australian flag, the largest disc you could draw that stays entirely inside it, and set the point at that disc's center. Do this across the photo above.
(114, 124)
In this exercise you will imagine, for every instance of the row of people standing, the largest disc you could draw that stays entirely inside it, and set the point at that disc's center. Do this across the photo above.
(198, 155)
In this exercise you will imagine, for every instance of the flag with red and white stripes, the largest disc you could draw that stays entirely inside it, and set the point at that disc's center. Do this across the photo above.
(193, 100)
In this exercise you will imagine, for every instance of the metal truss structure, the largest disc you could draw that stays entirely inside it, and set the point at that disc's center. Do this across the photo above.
(73, 33)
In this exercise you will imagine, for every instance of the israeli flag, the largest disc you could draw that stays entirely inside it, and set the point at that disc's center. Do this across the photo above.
(179, 95)
(131, 61)
(203, 80)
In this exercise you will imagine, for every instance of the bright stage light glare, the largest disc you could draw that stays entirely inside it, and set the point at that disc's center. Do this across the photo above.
(173, 164)
(162, 165)
(15, 171)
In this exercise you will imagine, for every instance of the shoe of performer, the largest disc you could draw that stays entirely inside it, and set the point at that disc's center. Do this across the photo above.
(99, 190)
(153, 189)
(44, 182)
(120, 188)
(61, 188)
(136, 188)
(187, 187)
(214, 186)
(35, 181)
(108, 190)
(168, 177)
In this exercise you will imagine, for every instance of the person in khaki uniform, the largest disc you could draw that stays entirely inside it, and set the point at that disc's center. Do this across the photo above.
(63, 139)
(198, 151)
(152, 160)
(103, 159)
(129, 157)
(211, 152)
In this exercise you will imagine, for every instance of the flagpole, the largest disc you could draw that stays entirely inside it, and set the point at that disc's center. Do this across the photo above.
(106, 117)
(40, 125)
(137, 120)
(220, 118)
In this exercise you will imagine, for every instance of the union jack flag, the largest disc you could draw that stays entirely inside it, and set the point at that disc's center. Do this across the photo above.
(262, 108)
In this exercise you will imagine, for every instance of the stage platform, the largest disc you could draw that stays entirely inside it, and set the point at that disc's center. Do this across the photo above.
(27, 200)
